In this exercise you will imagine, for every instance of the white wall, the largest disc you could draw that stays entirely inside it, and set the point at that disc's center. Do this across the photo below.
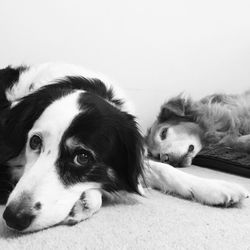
(154, 49)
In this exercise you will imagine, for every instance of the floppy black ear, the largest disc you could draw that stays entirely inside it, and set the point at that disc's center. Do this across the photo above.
(123, 152)
(126, 154)
(132, 142)
(177, 107)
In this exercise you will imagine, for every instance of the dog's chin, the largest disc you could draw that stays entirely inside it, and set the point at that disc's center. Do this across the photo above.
(180, 162)
(39, 226)
(183, 162)
(186, 162)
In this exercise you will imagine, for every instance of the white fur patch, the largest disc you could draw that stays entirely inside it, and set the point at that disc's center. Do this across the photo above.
(178, 139)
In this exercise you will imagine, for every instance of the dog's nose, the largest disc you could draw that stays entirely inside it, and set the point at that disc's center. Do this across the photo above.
(18, 218)
(164, 158)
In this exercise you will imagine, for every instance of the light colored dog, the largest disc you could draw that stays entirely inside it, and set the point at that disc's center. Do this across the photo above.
(183, 127)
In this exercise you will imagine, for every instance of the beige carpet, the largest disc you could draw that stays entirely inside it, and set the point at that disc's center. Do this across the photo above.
(157, 222)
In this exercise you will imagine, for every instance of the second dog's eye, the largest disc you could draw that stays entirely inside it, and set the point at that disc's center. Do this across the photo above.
(35, 142)
(83, 158)
(163, 134)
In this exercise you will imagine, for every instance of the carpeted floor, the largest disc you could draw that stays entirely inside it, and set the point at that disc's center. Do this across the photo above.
(156, 222)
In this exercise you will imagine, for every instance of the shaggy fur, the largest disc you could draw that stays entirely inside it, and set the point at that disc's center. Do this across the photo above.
(215, 119)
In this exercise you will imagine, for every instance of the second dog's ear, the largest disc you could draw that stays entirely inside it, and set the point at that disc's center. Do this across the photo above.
(176, 107)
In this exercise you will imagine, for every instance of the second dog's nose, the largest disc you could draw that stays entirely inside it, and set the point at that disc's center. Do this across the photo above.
(164, 158)
(18, 219)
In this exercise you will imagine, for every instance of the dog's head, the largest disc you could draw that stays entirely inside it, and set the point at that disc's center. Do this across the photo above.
(174, 137)
(70, 140)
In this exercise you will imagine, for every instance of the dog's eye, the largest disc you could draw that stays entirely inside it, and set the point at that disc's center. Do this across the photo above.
(82, 158)
(163, 134)
(35, 142)
(150, 154)
(191, 148)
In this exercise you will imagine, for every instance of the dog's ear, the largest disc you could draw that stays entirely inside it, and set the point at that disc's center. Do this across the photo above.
(125, 154)
(177, 107)
(133, 144)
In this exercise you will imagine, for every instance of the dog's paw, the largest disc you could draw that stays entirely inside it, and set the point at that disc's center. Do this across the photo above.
(78, 213)
(88, 204)
(218, 193)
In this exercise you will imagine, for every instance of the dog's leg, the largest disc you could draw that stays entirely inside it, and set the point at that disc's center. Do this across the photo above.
(242, 143)
(239, 143)
(88, 204)
(212, 192)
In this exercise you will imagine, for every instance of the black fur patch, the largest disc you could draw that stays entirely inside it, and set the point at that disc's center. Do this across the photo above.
(6, 185)
(114, 138)
(8, 76)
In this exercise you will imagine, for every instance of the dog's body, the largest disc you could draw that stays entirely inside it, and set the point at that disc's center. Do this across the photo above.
(67, 137)
(184, 126)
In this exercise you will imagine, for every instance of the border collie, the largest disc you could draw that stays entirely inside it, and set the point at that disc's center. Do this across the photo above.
(67, 138)
(183, 127)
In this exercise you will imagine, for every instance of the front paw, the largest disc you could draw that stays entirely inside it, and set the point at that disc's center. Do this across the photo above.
(219, 193)
(78, 213)
(88, 204)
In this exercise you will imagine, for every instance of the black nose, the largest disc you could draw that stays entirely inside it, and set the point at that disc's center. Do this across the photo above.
(164, 158)
(17, 218)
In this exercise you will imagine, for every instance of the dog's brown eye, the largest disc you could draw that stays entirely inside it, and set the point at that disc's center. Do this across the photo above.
(164, 133)
(150, 154)
(82, 158)
(191, 148)
(35, 142)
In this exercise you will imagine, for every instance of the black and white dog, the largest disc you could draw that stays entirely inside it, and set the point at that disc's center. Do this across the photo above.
(68, 137)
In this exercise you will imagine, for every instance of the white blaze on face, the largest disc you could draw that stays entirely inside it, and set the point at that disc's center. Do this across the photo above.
(41, 179)
(179, 139)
